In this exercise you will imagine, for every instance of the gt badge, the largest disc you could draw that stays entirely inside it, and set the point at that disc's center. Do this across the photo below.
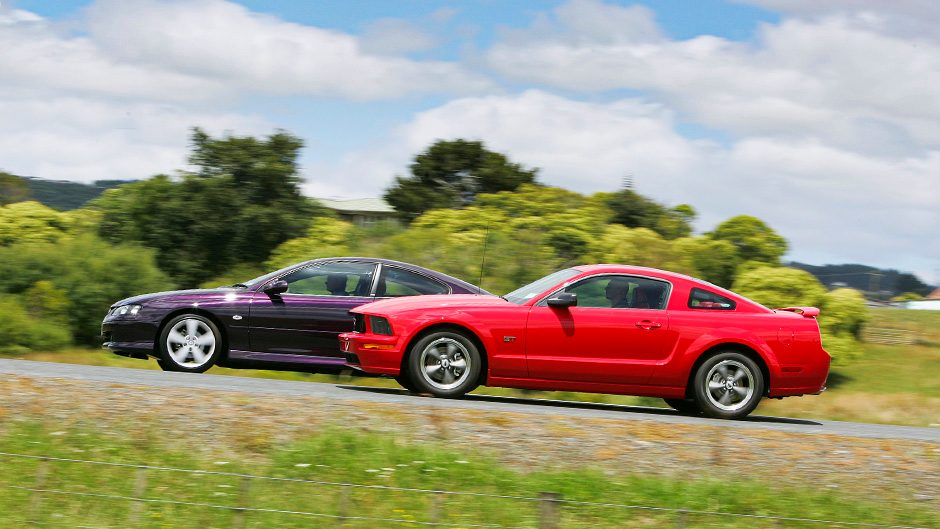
(509, 339)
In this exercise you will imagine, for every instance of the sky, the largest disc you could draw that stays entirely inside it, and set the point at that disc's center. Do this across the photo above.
(822, 118)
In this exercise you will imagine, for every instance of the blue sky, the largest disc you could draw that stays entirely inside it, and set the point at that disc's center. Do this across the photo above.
(818, 117)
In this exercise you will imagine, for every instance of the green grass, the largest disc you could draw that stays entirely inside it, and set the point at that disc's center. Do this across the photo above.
(338, 456)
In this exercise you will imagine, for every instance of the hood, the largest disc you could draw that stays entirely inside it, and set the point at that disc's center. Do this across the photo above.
(452, 301)
(143, 298)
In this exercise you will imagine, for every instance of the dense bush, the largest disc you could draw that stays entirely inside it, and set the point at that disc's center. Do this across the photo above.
(79, 276)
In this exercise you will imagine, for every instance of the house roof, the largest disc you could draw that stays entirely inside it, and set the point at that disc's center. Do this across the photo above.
(934, 295)
(358, 205)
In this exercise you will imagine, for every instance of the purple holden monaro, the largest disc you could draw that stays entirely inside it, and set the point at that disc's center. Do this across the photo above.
(290, 317)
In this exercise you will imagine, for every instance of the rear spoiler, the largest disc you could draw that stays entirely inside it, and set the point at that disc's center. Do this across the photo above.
(807, 312)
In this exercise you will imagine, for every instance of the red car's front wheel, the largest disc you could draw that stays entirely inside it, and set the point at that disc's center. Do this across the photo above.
(444, 363)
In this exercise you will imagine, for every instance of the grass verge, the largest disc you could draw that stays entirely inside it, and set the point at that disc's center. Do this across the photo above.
(366, 459)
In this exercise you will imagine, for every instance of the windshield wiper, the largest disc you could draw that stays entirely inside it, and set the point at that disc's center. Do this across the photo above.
(239, 285)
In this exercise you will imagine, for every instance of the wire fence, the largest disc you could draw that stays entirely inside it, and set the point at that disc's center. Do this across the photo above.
(886, 336)
(546, 511)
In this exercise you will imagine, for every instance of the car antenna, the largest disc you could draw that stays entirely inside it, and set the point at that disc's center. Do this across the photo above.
(486, 236)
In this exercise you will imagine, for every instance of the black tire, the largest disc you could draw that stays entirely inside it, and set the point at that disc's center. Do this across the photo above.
(458, 350)
(684, 406)
(728, 385)
(192, 350)
(404, 380)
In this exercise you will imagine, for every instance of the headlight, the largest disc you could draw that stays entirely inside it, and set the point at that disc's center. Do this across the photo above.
(126, 310)
(380, 325)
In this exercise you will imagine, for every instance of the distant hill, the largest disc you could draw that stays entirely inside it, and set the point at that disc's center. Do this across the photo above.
(866, 278)
(58, 194)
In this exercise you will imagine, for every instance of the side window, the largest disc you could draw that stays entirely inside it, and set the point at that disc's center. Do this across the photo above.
(703, 299)
(395, 282)
(332, 279)
(621, 292)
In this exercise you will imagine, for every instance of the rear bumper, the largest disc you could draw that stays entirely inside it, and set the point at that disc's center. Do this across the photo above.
(802, 379)
(372, 353)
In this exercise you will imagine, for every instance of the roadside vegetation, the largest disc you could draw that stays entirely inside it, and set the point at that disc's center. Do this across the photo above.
(366, 459)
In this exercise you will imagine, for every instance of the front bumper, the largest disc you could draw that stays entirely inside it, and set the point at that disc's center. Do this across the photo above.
(128, 337)
(372, 353)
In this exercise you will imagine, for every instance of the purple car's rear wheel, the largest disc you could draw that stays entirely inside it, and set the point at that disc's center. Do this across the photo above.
(444, 363)
(189, 342)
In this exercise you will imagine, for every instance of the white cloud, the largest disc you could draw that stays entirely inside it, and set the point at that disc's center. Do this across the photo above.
(583, 146)
(227, 43)
(392, 36)
(900, 17)
(114, 93)
(84, 140)
(835, 78)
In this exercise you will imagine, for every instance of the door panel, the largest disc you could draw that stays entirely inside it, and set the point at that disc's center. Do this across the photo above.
(307, 319)
(590, 344)
(301, 324)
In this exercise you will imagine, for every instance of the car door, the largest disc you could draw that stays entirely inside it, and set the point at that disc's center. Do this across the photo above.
(616, 334)
(307, 319)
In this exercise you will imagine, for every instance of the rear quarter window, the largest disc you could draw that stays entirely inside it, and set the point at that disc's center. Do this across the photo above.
(703, 299)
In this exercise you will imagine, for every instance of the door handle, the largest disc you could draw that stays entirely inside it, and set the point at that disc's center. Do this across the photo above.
(648, 325)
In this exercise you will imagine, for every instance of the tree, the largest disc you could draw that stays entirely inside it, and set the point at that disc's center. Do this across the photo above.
(844, 312)
(451, 174)
(242, 202)
(31, 221)
(12, 189)
(634, 210)
(78, 278)
(713, 261)
(780, 287)
(641, 247)
(753, 239)
(326, 237)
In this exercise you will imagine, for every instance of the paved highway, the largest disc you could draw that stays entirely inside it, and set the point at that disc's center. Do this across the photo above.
(152, 378)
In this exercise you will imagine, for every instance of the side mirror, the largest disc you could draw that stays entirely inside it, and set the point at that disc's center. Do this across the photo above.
(278, 287)
(563, 300)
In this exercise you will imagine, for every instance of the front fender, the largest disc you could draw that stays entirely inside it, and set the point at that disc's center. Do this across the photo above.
(458, 318)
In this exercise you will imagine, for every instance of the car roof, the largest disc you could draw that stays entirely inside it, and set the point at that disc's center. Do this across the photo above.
(410, 266)
(661, 274)
(630, 269)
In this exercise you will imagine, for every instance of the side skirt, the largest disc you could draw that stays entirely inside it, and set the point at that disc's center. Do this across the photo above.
(588, 387)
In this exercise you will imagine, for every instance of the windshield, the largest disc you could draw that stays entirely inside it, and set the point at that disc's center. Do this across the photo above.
(258, 280)
(521, 295)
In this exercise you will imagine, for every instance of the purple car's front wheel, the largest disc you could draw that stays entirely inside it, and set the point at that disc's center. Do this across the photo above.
(189, 342)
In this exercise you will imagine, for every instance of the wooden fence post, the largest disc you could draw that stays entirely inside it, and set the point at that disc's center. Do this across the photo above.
(434, 516)
(239, 519)
(35, 501)
(548, 510)
(343, 506)
(140, 486)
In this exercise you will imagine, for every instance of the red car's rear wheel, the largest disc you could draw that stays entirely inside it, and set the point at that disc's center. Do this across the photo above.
(444, 363)
(728, 385)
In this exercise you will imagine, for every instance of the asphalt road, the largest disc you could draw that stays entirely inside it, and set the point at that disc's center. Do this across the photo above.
(152, 378)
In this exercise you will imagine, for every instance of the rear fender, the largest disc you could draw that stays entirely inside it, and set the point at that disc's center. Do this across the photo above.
(730, 336)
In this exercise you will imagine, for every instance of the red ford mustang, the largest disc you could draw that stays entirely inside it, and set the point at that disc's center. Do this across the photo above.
(603, 329)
